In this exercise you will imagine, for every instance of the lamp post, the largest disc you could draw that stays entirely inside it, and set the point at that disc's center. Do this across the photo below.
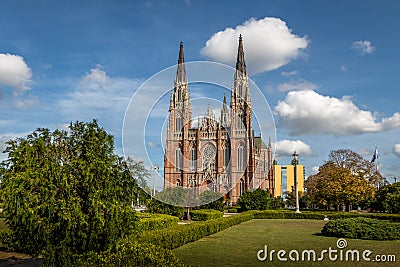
(155, 168)
(296, 188)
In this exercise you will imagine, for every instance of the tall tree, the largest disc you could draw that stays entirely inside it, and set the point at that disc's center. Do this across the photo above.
(337, 183)
(66, 192)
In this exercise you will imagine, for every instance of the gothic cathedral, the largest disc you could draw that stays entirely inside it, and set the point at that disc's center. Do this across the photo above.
(221, 154)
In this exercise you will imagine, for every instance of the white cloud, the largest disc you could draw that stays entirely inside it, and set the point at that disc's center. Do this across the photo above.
(14, 73)
(98, 96)
(396, 149)
(287, 147)
(289, 73)
(343, 68)
(297, 85)
(26, 103)
(307, 112)
(268, 44)
(364, 47)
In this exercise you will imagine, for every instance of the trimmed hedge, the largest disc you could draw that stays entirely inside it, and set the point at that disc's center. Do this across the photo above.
(150, 221)
(174, 237)
(362, 228)
(378, 216)
(205, 215)
(129, 252)
(286, 214)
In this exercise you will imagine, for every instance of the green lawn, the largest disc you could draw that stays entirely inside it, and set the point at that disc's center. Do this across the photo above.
(238, 245)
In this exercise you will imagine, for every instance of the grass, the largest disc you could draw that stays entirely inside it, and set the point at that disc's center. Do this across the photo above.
(238, 245)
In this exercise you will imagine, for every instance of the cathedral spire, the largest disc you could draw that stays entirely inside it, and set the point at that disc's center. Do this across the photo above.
(181, 71)
(240, 63)
(225, 113)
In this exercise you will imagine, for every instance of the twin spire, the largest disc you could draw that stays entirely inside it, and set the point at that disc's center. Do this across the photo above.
(240, 62)
(181, 71)
(239, 91)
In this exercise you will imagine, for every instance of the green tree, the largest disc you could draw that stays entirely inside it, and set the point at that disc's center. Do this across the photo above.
(66, 192)
(139, 172)
(254, 200)
(338, 186)
(212, 200)
(387, 198)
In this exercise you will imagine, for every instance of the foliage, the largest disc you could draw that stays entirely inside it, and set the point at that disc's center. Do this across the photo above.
(148, 221)
(174, 237)
(212, 199)
(205, 214)
(129, 252)
(387, 199)
(65, 192)
(286, 214)
(139, 172)
(255, 200)
(338, 186)
(156, 206)
(362, 228)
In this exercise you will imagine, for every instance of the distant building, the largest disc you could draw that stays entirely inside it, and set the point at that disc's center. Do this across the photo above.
(289, 177)
(221, 155)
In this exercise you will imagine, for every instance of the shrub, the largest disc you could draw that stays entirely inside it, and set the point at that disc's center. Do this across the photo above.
(174, 237)
(362, 228)
(254, 200)
(205, 215)
(286, 214)
(129, 252)
(213, 199)
(156, 206)
(66, 192)
(379, 216)
(150, 221)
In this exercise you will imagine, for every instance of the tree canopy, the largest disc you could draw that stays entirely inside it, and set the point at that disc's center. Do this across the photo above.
(66, 192)
(343, 180)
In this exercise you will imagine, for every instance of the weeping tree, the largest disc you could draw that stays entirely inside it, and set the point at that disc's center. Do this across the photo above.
(66, 192)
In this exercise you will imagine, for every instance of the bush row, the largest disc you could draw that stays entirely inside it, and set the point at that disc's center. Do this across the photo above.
(205, 215)
(129, 252)
(149, 221)
(362, 228)
(319, 215)
(378, 216)
(153, 248)
(174, 237)
(286, 214)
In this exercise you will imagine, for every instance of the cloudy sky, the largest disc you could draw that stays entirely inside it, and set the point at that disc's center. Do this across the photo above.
(328, 69)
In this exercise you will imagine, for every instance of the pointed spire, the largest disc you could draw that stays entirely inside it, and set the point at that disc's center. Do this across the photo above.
(181, 71)
(240, 63)
(224, 113)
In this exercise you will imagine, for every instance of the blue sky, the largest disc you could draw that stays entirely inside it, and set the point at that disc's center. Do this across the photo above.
(329, 69)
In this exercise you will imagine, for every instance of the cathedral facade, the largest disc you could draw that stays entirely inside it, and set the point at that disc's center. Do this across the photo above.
(220, 154)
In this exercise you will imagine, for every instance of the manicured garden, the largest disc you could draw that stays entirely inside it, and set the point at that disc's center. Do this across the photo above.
(238, 245)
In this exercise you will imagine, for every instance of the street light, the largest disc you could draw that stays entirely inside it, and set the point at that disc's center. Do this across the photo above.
(156, 168)
(296, 188)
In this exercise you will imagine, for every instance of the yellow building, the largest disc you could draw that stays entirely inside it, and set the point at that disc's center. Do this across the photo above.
(278, 178)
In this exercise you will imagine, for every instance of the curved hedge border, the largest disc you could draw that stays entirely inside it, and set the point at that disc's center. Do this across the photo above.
(362, 228)
(205, 215)
(174, 237)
